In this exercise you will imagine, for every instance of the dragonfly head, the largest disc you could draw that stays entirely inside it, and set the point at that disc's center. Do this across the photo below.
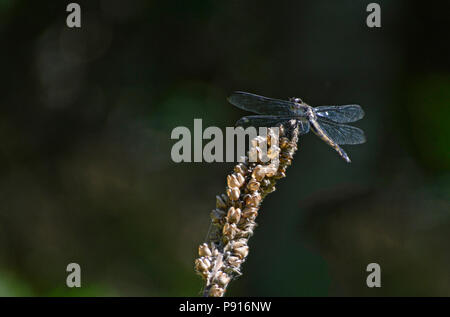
(296, 100)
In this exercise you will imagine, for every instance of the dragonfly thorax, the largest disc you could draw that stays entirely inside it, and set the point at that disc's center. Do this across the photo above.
(295, 99)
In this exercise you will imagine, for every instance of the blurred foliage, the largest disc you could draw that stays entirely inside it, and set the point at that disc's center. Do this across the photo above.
(428, 111)
(85, 122)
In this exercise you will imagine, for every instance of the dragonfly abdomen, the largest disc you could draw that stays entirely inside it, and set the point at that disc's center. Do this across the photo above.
(317, 129)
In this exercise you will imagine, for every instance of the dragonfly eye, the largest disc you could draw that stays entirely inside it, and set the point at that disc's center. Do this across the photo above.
(295, 99)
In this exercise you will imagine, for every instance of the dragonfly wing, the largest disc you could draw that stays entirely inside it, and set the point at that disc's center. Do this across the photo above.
(260, 104)
(340, 114)
(270, 121)
(342, 133)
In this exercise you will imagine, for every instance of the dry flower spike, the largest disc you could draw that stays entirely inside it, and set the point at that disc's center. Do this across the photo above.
(233, 220)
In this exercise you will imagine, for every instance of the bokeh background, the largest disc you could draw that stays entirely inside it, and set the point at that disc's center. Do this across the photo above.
(86, 173)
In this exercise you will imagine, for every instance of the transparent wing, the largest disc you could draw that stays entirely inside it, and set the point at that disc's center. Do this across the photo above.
(260, 104)
(340, 114)
(342, 133)
(270, 121)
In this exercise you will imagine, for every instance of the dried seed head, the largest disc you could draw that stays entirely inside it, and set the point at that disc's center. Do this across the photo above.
(288, 155)
(240, 178)
(258, 140)
(217, 215)
(203, 250)
(225, 199)
(202, 264)
(216, 291)
(281, 175)
(232, 181)
(270, 171)
(222, 278)
(250, 212)
(253, 185)
(285, 161)
(247, 231)
(241, 251)
(220, 203)
(253, 200)
(233, 193)
(229, 230)
(270, 189)
(234, 261)
(274, 135)
(284, 142)
(234, 215)
(273, 152)
(239, 243)
(271, 138)
(241, 169)
(237, 204)
(258, 173)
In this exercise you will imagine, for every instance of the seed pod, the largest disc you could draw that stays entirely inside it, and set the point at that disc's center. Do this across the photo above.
(222, 278)
(216, 291)
(270, 189)
(280, 175)
(258, 173)
(237, 204)
(217, 215)
(241, 169)
(234, 215)
(229, 230)
(203, 250)
(253, 185)
(234, 261)
(220, 203)
(248, 230)
(225, 198)
(240, 179)
(270, 171)
(258, 141)
(241, 251)
(274, 135)
(284, 142)
(285, 161)
(202, 264)
(232, 181)
(239, 243)
(250, 212)
(235, 180)
(233, 193)
(253, 200)
(273, 152)
(288, 157)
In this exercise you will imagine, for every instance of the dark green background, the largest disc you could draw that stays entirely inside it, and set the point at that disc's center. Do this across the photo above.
(86, 173)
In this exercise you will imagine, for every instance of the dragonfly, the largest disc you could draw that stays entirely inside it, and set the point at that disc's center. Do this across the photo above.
(327, 122)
